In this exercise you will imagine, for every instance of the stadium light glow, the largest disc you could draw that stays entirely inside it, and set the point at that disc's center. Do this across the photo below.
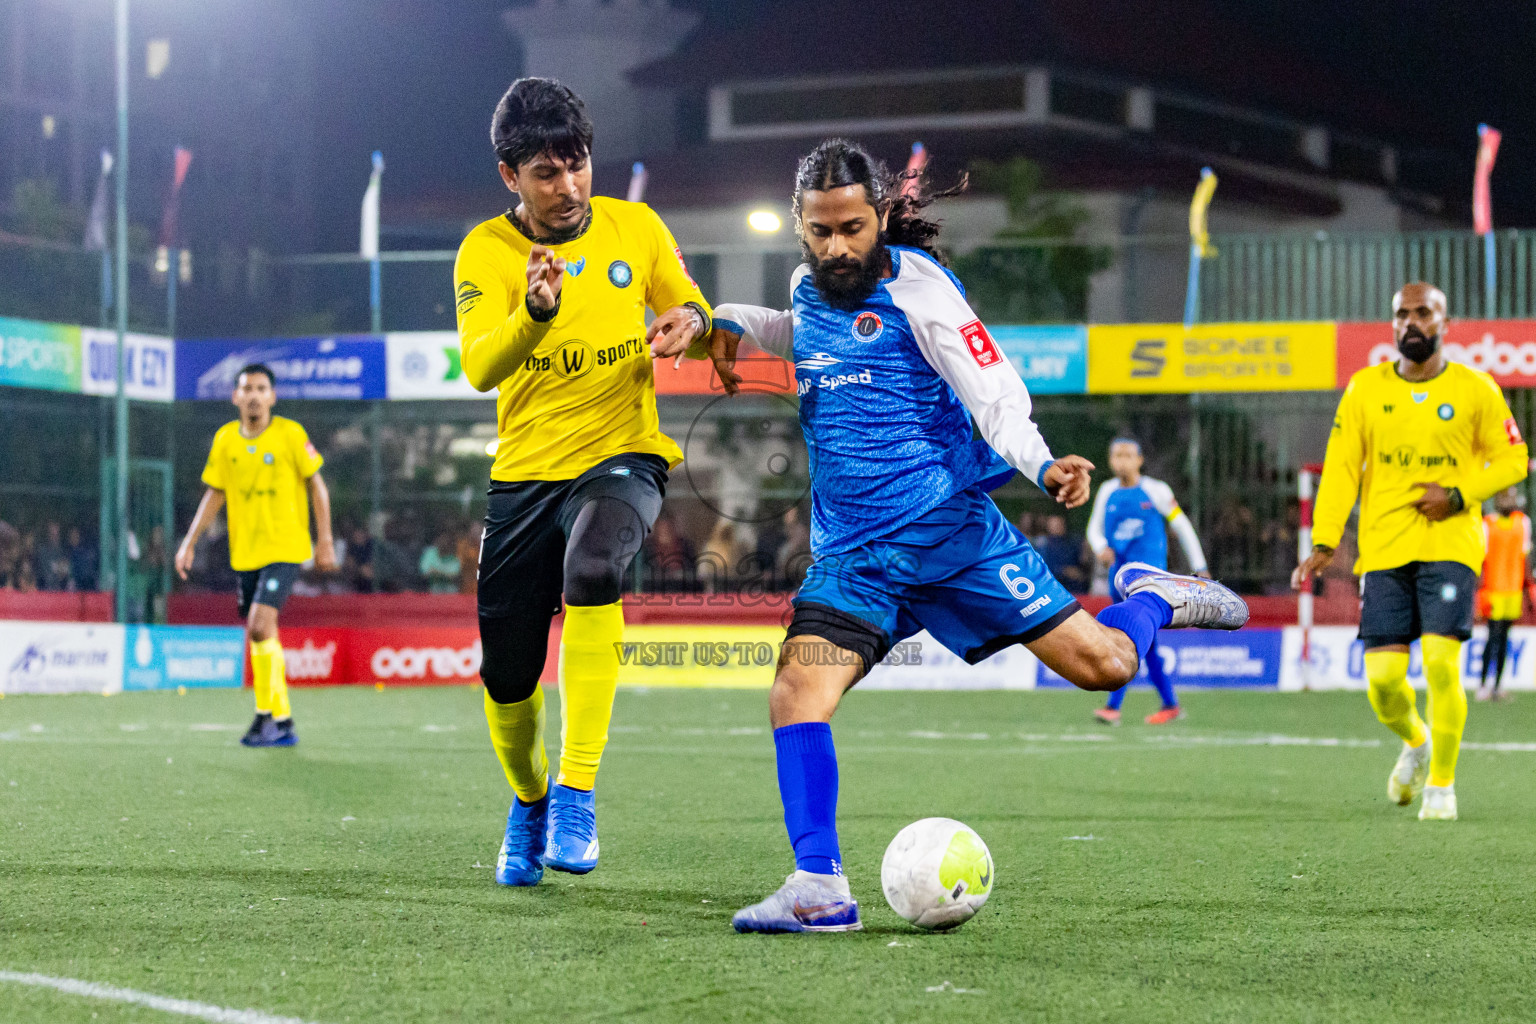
(491, 446)
(765, 221)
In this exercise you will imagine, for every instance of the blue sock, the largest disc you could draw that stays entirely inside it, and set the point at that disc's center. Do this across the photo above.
(1117, 698)
(808, 786)
(1139, 617)
(1155, 672)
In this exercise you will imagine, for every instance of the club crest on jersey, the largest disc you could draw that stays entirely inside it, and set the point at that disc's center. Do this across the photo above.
(980, 344)
(576, 266)
(1446, 411)
(867, 326)
(620, 274)
(267, 458)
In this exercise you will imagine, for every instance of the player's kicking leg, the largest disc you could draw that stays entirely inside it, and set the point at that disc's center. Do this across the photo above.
(829, 650)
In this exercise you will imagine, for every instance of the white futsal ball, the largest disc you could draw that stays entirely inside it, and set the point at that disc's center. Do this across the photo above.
(937, 873)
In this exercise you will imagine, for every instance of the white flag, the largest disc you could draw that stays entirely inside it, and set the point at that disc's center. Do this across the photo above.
(637, 179)
(369, 247)
(96, 226)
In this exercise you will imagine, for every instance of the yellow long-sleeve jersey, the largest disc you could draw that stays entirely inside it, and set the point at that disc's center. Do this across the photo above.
(1391, 435)
(580, 388)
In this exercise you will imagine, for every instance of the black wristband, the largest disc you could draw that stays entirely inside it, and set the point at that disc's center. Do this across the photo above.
(1457, 501)
(704, 316)
(541, 317)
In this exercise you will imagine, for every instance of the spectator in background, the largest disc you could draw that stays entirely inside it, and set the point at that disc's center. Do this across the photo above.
(468, 552)
(82, 562)
(1063, 554)
(794, 555)
(1279, 540)
(721, 558)
(10, 555)
(52, 560)
(669, 556)
(1230, 537)
(1030, 528)
(439, 565)
(358, 568)
(394, 570)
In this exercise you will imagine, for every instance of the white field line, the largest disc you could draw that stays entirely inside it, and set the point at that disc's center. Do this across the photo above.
(184, 1007)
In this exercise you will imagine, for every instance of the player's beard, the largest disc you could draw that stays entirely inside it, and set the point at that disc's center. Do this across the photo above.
(847, 291)
(1416, 347)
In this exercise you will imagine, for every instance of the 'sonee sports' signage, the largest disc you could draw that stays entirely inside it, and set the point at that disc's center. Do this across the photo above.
(1053, 360)
(1168, 358)
(1504, 348)
(39, 355)
(151, 363)
(348, 366)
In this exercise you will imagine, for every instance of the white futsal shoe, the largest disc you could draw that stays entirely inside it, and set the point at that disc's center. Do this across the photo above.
(1439, 803)
(1409, 774)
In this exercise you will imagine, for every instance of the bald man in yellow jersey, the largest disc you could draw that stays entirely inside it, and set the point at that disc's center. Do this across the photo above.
(1422, 442)
(551, 307)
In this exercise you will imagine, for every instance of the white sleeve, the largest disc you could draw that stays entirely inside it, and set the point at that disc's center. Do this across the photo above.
(954, 342)
(771, 330)
(1164, 501)
(1096, 538)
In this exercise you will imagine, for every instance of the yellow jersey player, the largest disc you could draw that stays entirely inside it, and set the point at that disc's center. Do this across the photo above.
(551, 310)
(1422, 442)
(264, 470)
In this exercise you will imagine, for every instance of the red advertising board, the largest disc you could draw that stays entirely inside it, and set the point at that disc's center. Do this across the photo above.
(319, 656)
(1504, 348)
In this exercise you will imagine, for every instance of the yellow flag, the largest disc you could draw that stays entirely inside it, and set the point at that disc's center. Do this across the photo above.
(1199, 232)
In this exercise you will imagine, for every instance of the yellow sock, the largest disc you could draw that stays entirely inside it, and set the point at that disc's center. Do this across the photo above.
(1447, 706)
(517, 734)
(271, 678)
(261, 676)
(1387, 674)
(589, 675)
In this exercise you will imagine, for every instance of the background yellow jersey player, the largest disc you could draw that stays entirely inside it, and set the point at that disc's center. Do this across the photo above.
(1422, 442)
(551, 307)
(264, 471)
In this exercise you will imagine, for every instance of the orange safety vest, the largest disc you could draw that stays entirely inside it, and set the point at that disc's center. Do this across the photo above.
(1504, 565)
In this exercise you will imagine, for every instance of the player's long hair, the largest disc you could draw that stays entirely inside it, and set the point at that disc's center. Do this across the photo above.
(539, 115)
(901, 197)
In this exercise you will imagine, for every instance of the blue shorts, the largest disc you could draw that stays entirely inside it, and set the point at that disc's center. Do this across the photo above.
(961, 571)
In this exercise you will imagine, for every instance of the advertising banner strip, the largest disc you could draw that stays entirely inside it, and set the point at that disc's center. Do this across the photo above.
(151, 365)
(344, 366)
(172, 657)
(61, 657)
(1504, 348)
(1168, 359)
(39, 355)
(1052, 359)
(1246, 658)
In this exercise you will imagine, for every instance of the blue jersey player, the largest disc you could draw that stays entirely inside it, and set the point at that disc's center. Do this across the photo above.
(895, 375)
(1132, 514)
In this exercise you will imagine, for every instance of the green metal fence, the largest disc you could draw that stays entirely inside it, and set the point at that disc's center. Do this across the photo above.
(1353, 276)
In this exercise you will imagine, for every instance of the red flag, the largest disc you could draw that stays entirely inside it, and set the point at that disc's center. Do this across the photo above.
(916, 162)
(172, 212)
(1482, 196)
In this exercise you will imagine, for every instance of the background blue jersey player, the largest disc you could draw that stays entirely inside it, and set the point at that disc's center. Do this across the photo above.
(1131, 518)
(895, 373)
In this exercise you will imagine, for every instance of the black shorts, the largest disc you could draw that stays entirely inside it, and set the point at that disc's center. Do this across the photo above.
(270, 585)
(1397, 606)
(522, 556)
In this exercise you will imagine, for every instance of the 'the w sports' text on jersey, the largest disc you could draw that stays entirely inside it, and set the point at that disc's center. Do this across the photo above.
(580, 388)
(1389, 437)
(887, 393)
(266, 497)
(1133, 522)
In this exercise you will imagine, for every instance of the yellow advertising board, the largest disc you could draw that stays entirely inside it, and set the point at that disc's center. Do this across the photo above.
(1168, 358)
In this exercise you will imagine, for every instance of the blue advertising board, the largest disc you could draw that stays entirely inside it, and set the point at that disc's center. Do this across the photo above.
(347, 366)
(1052, 359)
(167, 657)
(1245, 657)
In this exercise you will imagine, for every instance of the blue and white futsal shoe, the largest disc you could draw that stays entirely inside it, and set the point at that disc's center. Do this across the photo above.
(1195, 601)
(521, 861)
(571, 844)
(804, 903)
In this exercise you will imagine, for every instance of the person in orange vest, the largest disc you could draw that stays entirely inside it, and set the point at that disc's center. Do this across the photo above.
(1508, 535)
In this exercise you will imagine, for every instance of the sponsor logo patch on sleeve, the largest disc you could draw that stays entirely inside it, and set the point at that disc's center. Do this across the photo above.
(982, 348)
(684, 264)
(1513, 430)
(309, 449)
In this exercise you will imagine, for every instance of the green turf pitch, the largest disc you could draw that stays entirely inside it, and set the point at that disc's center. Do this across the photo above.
(1241, 865)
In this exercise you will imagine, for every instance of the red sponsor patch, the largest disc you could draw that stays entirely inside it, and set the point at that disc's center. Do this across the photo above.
(684, 264)
(309, 448)
(1513, 430)
(983, 349)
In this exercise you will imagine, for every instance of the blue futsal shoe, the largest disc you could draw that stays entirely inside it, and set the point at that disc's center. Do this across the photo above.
(1195, 601)
(571, 842)
(265, 732)
(804, 903)
(521, 861)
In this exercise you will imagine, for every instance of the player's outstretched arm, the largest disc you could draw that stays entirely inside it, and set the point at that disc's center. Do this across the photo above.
(213, 500)
(674, 333)
(325, 544)
(1338, 487)
(1068, 480)
(772, 330)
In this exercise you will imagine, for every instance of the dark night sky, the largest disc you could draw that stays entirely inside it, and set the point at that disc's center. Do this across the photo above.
(419, 78)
